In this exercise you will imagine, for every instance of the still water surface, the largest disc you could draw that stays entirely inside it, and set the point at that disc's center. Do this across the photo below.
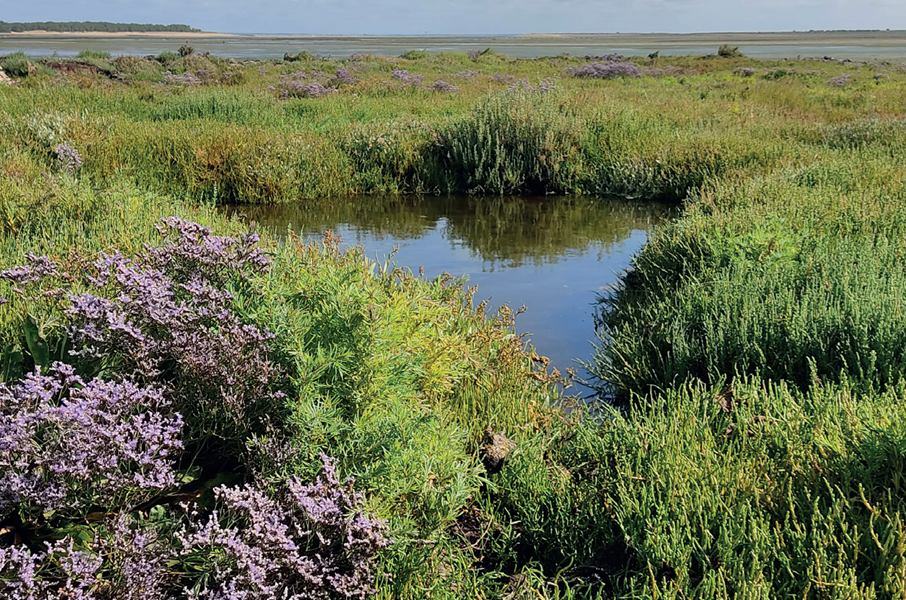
(851, 45)
(554, 255)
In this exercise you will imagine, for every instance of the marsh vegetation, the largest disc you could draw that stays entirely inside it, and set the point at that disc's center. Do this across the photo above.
(752, 357)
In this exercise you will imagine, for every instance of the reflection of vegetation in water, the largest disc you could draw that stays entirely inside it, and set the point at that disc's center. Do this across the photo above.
(521, 230)
(512, 230)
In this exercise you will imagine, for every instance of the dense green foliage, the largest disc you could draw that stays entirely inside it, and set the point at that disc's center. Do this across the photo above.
(756, 345)
(100, 26)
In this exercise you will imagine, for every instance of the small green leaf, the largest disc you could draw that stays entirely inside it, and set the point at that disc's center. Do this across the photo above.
(37, 345)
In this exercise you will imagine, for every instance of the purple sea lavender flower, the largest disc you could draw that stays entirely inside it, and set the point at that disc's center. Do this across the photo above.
(135, 564)
(606, 70)
(443, 86)
(68, 157)
(502, 78)
(310, 541)
(344, 77)
(138, 559)
(840, 81)
(38, 268)
(65, 443)
(745, 71)
(404, 76)
(165, 316)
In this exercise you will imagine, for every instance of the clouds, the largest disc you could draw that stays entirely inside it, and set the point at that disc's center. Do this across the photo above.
(477, 16)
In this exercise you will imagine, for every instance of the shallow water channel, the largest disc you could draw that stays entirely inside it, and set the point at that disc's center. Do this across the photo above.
(554, 255)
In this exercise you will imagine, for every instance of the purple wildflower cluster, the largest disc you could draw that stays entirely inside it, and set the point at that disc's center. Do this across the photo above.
(343, 77)
(745, 71)
(68, 157)
(404, 76)
(309, 542)
(135, 564)
(170, 321)
(467, 75)
(612, 57)
(65, 443)
(137, 558)
(38, 268)
(840, 81)
(28, 575)
(606, 70)
(502, 78)
(474, 54)
(163, 321)
(300, 84)
(443, 86)
(312, 541)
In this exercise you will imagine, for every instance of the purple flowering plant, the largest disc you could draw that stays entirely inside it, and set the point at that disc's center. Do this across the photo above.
(610, 69)
(166, 318)
(308, 541)
(68, 158)
(159, 359)
(300, 84)
(840, 81)
(403, 76)
(343, 77)
(443, 86)
(67, 445)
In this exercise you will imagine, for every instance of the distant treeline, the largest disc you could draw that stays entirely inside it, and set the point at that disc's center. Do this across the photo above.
(74, 26)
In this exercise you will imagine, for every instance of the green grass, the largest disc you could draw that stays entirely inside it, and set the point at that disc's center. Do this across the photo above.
(756, 346)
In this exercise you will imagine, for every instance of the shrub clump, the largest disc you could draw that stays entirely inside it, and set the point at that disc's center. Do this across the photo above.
(515, 142)
(16, 65)
(187, 79)
(728, 51)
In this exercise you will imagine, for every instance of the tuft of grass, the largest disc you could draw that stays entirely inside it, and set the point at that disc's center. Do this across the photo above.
(15, 64)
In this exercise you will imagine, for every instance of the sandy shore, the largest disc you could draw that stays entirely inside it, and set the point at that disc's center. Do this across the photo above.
(117, 34)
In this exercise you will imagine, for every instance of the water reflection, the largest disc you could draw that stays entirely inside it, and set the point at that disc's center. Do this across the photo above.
(551, 254)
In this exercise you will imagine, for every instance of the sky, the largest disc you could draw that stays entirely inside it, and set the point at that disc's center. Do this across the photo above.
(474, 16)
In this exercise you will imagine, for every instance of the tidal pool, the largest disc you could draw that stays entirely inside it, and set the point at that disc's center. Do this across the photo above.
(553, 255)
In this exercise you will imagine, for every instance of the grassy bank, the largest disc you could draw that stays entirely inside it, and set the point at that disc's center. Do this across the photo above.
(276, 132)
(756, 347)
